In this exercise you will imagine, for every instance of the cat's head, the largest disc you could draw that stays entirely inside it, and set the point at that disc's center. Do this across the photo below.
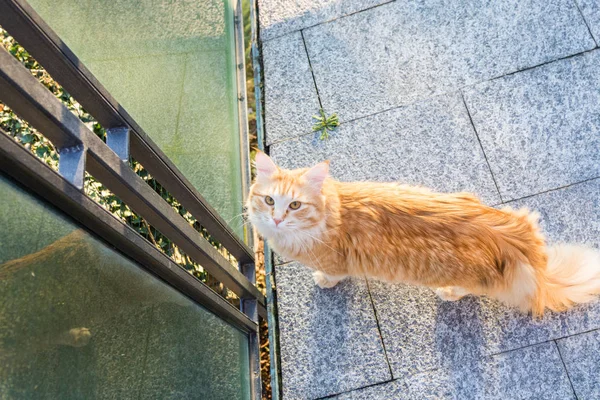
(286, 203)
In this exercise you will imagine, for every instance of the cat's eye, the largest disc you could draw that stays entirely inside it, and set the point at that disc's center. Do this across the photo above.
(294, 205)
(269, 200)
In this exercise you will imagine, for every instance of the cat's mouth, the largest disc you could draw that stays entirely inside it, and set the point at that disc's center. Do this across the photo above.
(278, 225)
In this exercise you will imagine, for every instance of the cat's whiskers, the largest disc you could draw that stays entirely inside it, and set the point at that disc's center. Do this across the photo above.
(317, 239)
(315, 258)
(244, 223)
(243, 214)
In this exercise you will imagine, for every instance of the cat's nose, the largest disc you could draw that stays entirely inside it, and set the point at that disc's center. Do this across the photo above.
(277, 221)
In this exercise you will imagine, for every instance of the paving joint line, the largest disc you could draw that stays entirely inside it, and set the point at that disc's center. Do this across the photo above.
(312, 72)
(585, 22)
(542, 342)
(518, 348)
(428, 370)
(387, 360)
(329, 20)
(551, 190)
(462, 96)
(459, 90)
(535, 66)
(566, 370)
(301, 135)
(577, 334)
(330, 396)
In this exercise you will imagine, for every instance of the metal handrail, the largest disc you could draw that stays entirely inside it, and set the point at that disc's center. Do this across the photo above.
(27, 170)
(82, 150)
(33, 33)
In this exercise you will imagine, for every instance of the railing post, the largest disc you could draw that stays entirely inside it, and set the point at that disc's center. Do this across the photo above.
(71, 164)
(240, 46)
(118, 140)
(249, 307)
(81, 150)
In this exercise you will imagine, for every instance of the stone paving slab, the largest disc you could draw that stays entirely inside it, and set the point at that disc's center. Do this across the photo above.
(329, 338)
(404, 51)
(290, 95)
(393, 73)
(539, 128)
(591, 13)
(581, 354)
(278, 17)
(531, 373)
(430, 143)
(568, 215)
(421, 332)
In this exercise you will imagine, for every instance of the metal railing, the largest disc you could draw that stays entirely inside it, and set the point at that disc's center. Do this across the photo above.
(80, 150)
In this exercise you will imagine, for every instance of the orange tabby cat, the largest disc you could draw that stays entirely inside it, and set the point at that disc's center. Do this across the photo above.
(398, 233)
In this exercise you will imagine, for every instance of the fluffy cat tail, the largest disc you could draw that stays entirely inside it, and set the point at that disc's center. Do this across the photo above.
(572, 276)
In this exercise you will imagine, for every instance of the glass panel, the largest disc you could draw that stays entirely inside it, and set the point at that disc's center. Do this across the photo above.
(80, 321)
(171, 64)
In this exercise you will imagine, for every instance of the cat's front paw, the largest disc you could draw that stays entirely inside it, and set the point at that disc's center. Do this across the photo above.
(324, 281)
(450, 293)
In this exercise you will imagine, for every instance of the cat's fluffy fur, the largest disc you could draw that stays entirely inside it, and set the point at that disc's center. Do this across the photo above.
(398, 233)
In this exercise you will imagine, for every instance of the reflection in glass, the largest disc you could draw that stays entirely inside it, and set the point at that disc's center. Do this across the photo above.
(171, 64)
(80, 321)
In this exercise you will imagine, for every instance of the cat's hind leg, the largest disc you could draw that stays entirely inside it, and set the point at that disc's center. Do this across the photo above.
(451, 293)
(325, 281)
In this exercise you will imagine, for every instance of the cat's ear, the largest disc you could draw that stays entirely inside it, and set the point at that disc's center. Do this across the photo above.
(317, 174)
(265, 167)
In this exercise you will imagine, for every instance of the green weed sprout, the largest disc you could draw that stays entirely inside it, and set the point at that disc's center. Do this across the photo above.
(325, 124)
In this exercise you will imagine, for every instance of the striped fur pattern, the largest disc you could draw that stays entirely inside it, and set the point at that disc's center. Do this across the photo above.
(398, 233)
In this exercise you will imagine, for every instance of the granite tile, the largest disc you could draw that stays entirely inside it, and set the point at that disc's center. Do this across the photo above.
(591, 13)
(534, 372)
(279, 259)
(422, 332)
(278, 17)
(531, 373)
(540, 129)
(397, 390)
(581, 354)
(408, 50)
(429, 143)
(329, 338)
(571, 214)
(510, 329)
(290, 95)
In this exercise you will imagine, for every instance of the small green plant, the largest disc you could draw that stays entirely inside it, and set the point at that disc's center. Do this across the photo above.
(325, 124)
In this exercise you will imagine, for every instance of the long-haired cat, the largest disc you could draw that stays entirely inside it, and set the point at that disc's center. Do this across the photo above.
(399, 233)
